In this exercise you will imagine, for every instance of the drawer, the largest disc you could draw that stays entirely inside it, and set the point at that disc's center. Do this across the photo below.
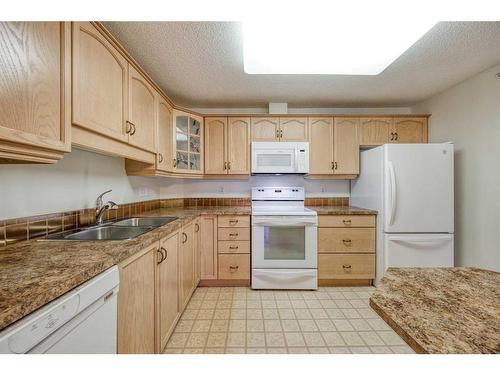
(346, 221)
(234, 247)
(233, 234)
(346, 266)
(234, 221)
(346, 240)
(234, 266)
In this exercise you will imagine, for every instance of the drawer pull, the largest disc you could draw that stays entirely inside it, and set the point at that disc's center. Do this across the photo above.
(233, 234)
(347, 222)
(347, 242)
(233, 268)
(346, 266)
(233, 247)
(234, 221)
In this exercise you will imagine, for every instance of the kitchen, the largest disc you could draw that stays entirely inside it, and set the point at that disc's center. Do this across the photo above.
(152, 206)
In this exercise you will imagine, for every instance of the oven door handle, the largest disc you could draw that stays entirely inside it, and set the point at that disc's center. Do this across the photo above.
(284, 224)
(289, 274)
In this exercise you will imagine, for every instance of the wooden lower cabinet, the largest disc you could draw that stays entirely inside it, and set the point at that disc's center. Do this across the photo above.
(208, 248)
(136, 303)
(346, 249)
(197, 251)
(234, 266)
(186, 264)
(167, 290)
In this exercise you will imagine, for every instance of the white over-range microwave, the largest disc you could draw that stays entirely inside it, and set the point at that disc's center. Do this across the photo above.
(280, 157)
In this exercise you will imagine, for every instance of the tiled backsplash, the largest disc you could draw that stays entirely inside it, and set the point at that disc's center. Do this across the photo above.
(26, 228)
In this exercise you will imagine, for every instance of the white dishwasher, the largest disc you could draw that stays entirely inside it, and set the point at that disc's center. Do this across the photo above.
(81, 321)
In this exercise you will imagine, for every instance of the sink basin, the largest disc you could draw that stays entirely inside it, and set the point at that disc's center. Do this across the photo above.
(144, 221)
(107, 233)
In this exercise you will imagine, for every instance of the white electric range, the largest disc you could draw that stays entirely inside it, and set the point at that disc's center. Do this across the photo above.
(284, 239)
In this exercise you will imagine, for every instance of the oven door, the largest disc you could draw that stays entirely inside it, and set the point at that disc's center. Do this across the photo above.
(284, 242)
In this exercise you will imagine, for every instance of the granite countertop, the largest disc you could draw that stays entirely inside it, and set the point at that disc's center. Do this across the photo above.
(341, 210)
(442, 310)
(33, 273)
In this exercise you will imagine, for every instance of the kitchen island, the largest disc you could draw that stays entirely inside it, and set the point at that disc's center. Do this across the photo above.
(442, 310)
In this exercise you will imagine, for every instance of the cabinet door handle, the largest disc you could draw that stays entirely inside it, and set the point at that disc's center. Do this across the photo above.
(185, 237)
(392, 136)
(133, 129)
(196, 227)
(335, 166)
(161, 255)
(228, 165)
(346, 222)
(277, 133)
(225, 165)
(347, 242)
(174, 164)
(165, 251)
(281, 133)
(233, 268)
(346, 266)
(160, 158)
(396, 136)
(128, 127)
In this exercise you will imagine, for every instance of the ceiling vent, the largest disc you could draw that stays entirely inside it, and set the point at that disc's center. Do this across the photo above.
(278, 108)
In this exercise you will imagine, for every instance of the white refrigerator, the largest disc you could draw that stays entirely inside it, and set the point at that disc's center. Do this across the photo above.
(411, 187)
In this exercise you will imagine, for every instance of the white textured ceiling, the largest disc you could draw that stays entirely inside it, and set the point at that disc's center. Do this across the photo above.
(200, 64)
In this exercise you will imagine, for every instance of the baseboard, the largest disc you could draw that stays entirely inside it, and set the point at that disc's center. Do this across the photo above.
(347, 282)
(240, 283)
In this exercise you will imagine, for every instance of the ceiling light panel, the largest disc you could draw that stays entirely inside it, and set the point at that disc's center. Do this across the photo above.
(347, 47)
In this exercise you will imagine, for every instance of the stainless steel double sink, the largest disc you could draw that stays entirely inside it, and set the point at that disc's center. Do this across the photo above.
(119, 230)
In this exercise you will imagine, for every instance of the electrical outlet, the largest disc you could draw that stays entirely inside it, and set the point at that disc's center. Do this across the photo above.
(322, 189)
(143, 192)
(221, 189)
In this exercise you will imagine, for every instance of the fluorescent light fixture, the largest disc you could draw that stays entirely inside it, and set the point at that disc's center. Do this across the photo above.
(353, 47)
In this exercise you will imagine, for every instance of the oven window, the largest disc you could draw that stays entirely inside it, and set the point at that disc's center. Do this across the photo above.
(274, 160)
(284, 243)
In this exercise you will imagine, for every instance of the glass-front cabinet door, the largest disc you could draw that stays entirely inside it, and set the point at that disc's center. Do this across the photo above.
(188, 133)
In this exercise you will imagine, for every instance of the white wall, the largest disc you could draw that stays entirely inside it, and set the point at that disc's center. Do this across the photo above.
(469, 115)
(241, 188)
(72, 183)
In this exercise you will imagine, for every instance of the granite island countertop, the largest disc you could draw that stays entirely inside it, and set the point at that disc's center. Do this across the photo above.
(33, 273)
(442, 310)
(341, 210)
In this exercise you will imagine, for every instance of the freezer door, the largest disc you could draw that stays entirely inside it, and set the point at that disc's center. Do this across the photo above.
(418, 250)
(418, 188)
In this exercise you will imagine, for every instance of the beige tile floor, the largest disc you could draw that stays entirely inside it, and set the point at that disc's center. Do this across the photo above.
(241, 320)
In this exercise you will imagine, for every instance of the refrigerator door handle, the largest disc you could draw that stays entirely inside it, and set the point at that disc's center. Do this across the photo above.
(392, 179)
(420, 239)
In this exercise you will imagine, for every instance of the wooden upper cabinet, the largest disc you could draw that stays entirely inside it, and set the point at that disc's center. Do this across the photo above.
(99, 83)
(264, 129)
(321, 145)
(35, 84)
(167, 289)
(142, 111)
(165, 134)
(238, 145)
(374, 131)
(293, 129)
(188, 143)
(215, 141)
(346, 145)
(409, 130)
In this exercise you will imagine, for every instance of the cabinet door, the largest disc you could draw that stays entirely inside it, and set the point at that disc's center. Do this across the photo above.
(142, 111)
(208, 251)
(99, 83)
(215, 140)
(188, 147)
(197, 251)
(165, 155)
(409, 130)
(238, 145)
(293, 129)
(264, 129)
(136, 303)
(345, 145)
(186, 263)
(167, 283)
(374, 131)
(35, 80)
(321, 145)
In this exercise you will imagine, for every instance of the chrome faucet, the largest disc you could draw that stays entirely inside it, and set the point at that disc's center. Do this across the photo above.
(102, 207)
